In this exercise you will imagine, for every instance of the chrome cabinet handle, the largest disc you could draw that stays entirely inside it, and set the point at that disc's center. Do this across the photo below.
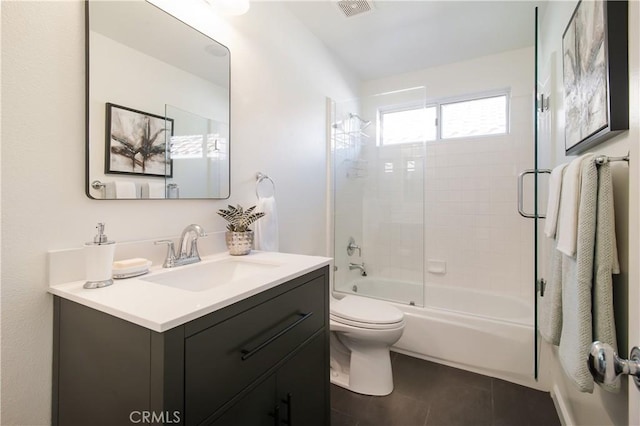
(248, 353)
(606, 367)
(521, 192)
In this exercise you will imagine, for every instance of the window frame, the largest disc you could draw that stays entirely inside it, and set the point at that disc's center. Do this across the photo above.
(437, 103)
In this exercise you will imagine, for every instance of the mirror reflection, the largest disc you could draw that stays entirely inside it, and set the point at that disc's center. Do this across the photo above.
(158, 106)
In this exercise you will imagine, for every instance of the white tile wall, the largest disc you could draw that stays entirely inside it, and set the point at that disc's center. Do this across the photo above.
(471, 219)
(459, 204)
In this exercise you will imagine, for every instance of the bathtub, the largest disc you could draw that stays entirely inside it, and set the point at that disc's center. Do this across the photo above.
(484, 332)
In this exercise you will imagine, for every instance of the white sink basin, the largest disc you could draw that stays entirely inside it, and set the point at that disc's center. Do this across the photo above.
(205, 276)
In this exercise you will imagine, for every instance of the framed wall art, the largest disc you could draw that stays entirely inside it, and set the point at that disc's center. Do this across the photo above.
(595, 74)
(136, 142)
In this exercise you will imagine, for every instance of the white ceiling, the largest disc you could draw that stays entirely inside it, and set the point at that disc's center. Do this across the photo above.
(402, 36)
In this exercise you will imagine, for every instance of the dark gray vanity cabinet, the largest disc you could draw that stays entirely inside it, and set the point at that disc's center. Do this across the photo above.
(290, 395)
(264, 360)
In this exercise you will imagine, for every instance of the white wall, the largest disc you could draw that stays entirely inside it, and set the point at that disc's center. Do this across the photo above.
(470, 216)
(600, 407)
(280, 77)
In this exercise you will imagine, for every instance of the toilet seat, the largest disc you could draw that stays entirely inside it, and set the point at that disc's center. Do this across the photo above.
(366, 313)
(365, 325)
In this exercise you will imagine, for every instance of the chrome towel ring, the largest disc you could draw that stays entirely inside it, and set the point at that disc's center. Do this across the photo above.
(260, 177)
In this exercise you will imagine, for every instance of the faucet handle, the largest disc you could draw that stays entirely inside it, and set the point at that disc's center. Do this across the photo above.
(194, 249)
(353, 247)
(170, 260)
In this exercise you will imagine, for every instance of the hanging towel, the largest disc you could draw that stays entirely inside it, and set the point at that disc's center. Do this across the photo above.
(569, 202)
(153, 190)
(606, 264)
(266, 228)
(551, 304)
(577, 276)
(553, 204)
(120, 189)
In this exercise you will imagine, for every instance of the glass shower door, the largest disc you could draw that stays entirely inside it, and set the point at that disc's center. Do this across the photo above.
(378, 157)
(542, 145)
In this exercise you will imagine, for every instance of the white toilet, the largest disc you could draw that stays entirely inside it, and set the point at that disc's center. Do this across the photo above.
(362, 330)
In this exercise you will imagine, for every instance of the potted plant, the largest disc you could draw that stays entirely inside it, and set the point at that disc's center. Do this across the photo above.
(239, 237)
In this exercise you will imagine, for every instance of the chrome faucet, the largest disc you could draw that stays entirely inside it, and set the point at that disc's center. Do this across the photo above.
(359, 266)
(188, 247)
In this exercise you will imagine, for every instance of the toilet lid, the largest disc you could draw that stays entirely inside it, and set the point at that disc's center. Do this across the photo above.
(361, 309)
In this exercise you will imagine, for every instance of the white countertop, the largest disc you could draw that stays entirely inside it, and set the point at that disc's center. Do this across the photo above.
(160, 307)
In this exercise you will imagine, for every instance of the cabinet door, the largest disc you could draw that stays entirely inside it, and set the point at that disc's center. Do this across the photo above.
(256, 408)
(222, 360)
(303, 386)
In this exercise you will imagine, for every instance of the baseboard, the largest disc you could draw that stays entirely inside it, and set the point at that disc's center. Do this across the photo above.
(564, 413)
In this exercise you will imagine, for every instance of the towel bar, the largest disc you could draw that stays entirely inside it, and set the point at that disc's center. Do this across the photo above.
(599, 160)
(604, 159)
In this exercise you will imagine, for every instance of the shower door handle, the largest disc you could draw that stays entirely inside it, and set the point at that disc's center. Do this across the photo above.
(521, 192)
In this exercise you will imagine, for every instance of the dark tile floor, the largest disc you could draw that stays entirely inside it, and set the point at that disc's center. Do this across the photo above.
(430, 394)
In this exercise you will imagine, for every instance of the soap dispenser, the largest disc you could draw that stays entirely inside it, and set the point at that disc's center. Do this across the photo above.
(99, 260)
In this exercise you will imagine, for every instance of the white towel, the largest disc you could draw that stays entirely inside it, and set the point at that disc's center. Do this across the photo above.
(569, 202)
(120, 189)
(553, 203)
(153, 190)
(266, 228)
(577, 278)
(551, 303)
(606, 264)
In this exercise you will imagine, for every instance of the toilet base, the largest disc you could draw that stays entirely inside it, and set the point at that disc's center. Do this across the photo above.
(357, 375)
(339, 378)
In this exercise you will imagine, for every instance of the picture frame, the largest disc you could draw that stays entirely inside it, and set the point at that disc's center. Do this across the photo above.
(595, 74)
(136, 142)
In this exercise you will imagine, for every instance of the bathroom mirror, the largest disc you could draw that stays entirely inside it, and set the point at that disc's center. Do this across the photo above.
(157, 106)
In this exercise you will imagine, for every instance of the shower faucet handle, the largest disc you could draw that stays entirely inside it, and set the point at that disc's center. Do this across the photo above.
(353, 247)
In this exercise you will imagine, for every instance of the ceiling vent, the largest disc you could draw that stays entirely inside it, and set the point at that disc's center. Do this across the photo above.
(354, 7)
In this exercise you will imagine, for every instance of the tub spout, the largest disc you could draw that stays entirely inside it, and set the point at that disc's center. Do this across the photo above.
(359, 266)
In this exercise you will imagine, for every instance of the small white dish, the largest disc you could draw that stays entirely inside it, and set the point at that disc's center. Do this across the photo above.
(131, 271)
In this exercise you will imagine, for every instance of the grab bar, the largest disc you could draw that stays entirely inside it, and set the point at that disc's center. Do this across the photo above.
(521, 191)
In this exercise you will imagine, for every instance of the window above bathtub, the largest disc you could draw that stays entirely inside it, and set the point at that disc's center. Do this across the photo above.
(407, 124)
(461, 117)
